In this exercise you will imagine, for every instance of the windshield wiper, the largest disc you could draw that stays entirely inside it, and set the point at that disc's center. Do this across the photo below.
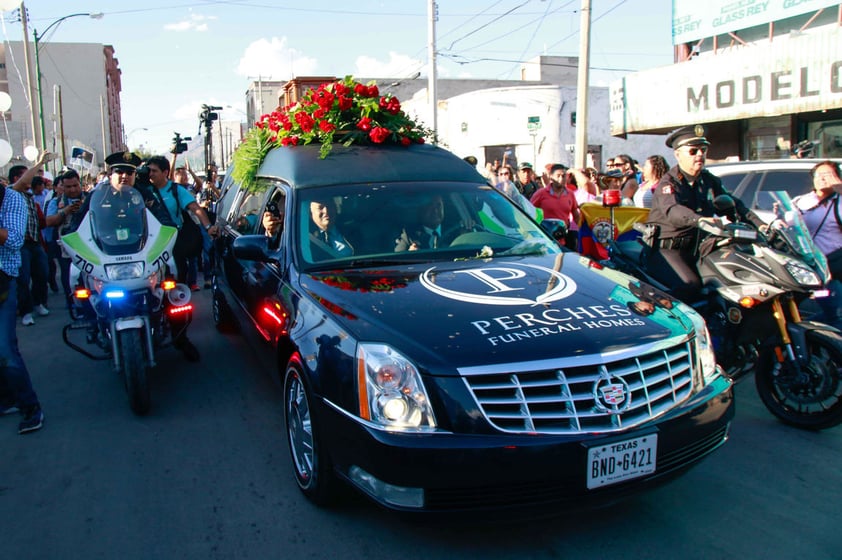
(382, 261)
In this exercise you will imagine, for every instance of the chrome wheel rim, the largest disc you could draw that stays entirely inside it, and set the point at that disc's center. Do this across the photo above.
(299, 429)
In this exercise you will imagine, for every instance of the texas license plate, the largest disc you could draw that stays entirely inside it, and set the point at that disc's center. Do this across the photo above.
(615, 462)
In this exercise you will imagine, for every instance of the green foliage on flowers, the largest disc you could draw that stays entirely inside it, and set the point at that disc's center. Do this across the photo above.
(344, 111)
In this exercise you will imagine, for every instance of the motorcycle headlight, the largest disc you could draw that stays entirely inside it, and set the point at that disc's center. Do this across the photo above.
(704, 346)
(391, 391)
(802, 274)
(124, 271)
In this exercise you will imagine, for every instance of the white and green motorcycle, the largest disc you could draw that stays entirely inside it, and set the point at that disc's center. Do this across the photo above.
(125, 298)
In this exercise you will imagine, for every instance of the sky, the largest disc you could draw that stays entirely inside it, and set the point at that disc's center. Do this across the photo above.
(176, 55)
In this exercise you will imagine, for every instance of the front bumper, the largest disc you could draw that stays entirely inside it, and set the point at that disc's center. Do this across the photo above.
(465, 472)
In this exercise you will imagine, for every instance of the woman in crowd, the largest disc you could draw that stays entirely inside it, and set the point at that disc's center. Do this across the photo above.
(654, 168)
(821, 213)
(629, 185)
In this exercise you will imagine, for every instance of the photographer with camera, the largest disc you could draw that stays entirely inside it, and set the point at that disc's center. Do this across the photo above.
(63, 215)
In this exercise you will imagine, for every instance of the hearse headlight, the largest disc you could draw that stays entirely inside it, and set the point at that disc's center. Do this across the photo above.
(704, 345)
(390, 390)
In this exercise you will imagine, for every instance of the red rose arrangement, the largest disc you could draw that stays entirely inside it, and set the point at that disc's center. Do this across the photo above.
(344, 111)
(364, 283)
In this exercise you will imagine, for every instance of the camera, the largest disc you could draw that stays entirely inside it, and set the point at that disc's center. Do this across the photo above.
(273, 209)
(179, 144)
(142, 174)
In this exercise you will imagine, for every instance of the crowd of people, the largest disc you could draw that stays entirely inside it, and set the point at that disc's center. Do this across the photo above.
(678, 198)
(36, 210)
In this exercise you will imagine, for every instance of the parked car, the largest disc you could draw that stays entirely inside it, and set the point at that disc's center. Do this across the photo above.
(750, 181)
(491, 369)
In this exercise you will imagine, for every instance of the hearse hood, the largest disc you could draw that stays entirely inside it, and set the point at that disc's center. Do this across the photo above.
(456, 314)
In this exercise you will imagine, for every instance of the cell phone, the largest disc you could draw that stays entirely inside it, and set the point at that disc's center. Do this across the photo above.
(273, 209)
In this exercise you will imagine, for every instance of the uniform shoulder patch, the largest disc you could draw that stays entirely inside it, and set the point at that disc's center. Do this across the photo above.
(666, 189)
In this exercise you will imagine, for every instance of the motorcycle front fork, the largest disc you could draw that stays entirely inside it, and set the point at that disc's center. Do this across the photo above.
(786, 345)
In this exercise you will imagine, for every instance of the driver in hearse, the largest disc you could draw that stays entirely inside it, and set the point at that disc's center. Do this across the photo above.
(681, 200)
(427, 231)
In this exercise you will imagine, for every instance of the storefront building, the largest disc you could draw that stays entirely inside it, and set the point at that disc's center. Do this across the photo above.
(760, 77)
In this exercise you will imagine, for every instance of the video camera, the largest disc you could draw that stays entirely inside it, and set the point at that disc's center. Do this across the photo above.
(207, 114)
(179, 145)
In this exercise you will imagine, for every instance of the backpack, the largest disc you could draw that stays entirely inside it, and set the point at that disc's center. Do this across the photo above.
(189, 241)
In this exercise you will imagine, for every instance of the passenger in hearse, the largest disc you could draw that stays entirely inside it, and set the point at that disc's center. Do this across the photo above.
(326, 241)
(273, 219)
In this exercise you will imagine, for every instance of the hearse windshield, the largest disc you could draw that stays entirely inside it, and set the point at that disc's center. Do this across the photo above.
(411, 222)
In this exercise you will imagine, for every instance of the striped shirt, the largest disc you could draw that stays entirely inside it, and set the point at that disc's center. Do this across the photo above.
(13, 217)
(33, 230)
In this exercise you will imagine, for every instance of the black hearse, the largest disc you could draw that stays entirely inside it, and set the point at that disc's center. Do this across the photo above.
(439, 351)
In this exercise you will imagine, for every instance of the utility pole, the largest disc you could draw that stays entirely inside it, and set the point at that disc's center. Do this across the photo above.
(432, 94)
(221, 146)
(102, 121)
(29, 81)
(60, 118)
(582, 86)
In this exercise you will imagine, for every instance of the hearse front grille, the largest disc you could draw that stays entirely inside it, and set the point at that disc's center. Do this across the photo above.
(611, 395)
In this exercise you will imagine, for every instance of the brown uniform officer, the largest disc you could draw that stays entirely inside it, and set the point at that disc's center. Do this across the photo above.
(682, 198)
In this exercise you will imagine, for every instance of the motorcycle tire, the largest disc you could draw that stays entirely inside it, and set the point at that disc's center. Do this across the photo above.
(813, 402)
(133, 365)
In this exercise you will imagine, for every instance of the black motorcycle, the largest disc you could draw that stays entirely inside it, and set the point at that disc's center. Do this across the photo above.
(753, 283)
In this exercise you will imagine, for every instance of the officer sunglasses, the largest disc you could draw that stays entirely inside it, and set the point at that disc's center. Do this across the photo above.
(695, 150)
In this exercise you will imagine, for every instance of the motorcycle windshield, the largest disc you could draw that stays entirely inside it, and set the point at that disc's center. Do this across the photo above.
(118, 220)
(796, 233)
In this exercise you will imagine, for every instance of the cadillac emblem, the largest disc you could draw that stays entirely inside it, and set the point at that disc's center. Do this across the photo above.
(611, 394)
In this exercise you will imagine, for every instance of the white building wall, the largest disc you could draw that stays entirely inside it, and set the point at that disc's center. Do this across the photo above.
(470, 122)
(79, 68)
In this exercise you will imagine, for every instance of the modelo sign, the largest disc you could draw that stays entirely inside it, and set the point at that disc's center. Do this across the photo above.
(790, 75)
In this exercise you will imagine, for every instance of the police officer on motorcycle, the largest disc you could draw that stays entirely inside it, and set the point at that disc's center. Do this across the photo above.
(680, 202)
(122, 168)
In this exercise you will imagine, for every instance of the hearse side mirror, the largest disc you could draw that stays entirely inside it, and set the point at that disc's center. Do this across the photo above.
(556, 228)
(253, 248)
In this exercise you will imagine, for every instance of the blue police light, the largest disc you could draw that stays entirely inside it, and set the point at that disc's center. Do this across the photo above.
(115, 294)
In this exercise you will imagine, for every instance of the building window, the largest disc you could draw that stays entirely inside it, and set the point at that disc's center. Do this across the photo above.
(768, 138)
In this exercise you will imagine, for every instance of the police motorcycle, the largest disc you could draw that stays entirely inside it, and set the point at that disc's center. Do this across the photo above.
(125, 300)
(753, 283)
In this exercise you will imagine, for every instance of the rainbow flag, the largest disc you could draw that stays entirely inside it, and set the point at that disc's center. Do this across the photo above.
(595, 227)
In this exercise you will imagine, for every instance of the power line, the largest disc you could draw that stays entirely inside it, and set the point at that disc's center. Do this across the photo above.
(454, 57)
(481, 27)
(537, 27)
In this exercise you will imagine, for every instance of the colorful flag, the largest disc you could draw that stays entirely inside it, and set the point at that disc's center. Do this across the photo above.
(595, 227)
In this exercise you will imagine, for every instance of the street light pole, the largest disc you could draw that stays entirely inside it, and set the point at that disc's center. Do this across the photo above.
(37, 39)
(129, 135)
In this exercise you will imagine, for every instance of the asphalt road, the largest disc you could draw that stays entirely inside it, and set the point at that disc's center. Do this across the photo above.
(207, 475)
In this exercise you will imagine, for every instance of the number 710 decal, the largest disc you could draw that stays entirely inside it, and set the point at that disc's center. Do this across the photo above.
(84, 265)
(161, 261)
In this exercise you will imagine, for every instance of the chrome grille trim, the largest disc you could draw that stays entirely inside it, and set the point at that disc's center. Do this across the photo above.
(557, 396)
